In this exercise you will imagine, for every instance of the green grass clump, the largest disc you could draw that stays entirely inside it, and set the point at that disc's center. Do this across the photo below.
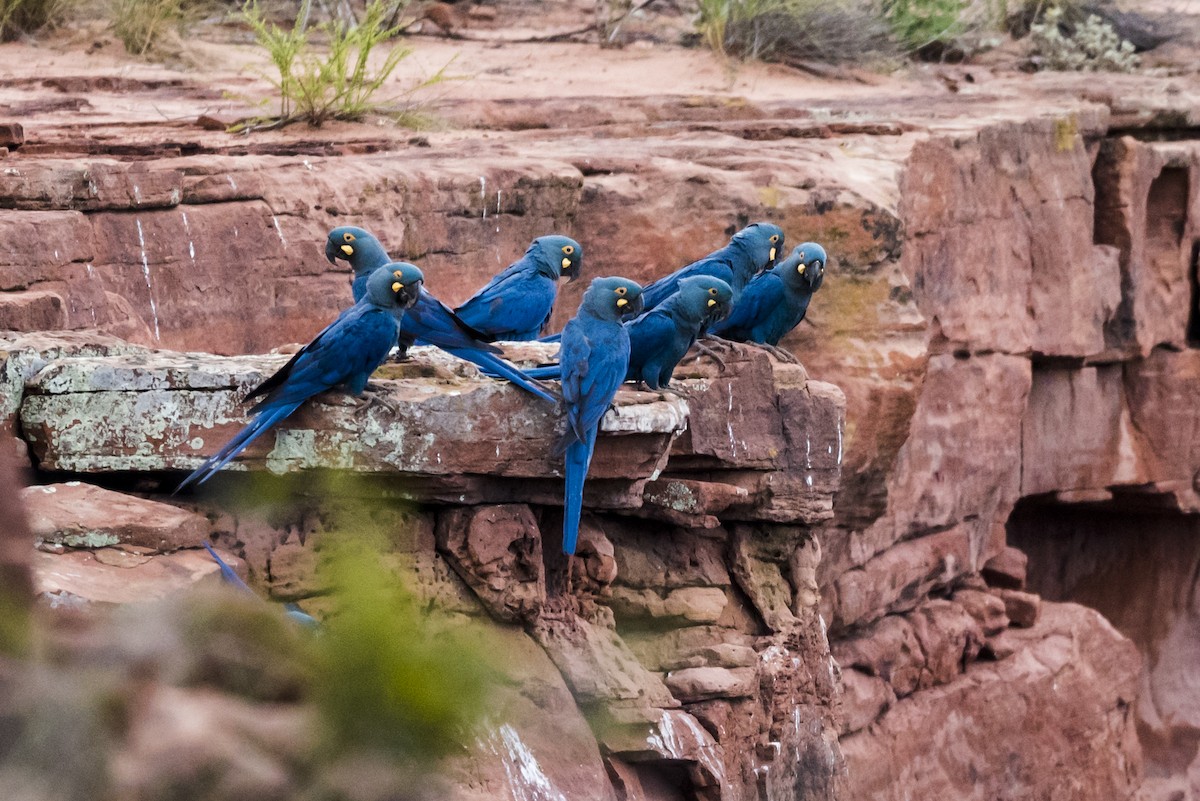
(920, 24)
(336, 82)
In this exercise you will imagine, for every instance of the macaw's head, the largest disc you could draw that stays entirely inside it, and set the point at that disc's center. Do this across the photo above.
(395, 285)
(805, 267)
(358, 247)
(764, 241)
(558, 256)
(613, 297)
(707, 297)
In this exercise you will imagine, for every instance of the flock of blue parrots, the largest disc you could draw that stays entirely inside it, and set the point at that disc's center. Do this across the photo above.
(622, 331)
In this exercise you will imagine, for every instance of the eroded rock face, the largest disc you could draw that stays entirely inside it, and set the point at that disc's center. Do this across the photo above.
(1070, 684)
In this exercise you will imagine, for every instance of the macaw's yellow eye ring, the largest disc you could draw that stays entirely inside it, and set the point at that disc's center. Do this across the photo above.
(712, 290)
(396, 287)
(568, 249)
(621, 290)
(774, 238)
(347, 237)
(397, 274)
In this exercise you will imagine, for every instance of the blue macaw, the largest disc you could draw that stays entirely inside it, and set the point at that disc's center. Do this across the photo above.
(516, 305)
(594, 358)
(428, 319)
(750, 251)
(227, 573)
(344, 355)
(775, 302)
(659, 338)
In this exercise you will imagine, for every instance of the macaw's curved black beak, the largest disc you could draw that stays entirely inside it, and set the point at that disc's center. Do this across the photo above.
(571, 268)
(718, 311)
(408, 294)
(816, 276)
(636, 306)
(331, 251)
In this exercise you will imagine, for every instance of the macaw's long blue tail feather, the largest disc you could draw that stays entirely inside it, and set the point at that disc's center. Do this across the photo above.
(552, 372)
(256, 428)
(576, 461)
(495, 366)
(227, 572)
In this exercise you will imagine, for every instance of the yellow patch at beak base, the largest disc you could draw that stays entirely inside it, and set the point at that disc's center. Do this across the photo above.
(566, 263)
(396, 287)
(712, 303)
(622, 302)
(800, 269)
(349, 251)
(772, 254)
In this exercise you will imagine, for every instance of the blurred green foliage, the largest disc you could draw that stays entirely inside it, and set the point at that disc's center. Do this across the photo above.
(389, 674)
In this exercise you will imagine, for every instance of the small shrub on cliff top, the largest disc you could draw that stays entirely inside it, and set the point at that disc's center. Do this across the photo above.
(338, 83)
(1089, 45)
(919, 24)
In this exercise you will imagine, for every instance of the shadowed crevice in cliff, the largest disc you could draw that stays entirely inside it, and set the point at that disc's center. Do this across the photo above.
(1140, 568)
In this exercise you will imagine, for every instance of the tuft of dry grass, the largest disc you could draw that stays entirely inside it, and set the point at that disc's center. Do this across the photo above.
(20, 17)
(146, 26)
(796, 30)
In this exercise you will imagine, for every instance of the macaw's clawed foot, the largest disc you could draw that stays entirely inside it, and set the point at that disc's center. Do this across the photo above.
(703, 349)
(399, 355)
(780, 354)
(687, 393)
(371, 398)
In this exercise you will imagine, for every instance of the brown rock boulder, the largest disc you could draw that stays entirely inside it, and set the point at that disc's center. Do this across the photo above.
(498, 552)
(114, 576)
(81, 515)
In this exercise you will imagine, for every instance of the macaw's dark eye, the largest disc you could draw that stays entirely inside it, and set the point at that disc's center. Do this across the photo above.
(774, 238)
(568, 249)
(621, 290)
(712, 291)
(397, 274)
(347, 237)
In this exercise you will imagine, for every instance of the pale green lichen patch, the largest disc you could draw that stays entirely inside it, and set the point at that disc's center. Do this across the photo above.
(81, 539)
(678, 497)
